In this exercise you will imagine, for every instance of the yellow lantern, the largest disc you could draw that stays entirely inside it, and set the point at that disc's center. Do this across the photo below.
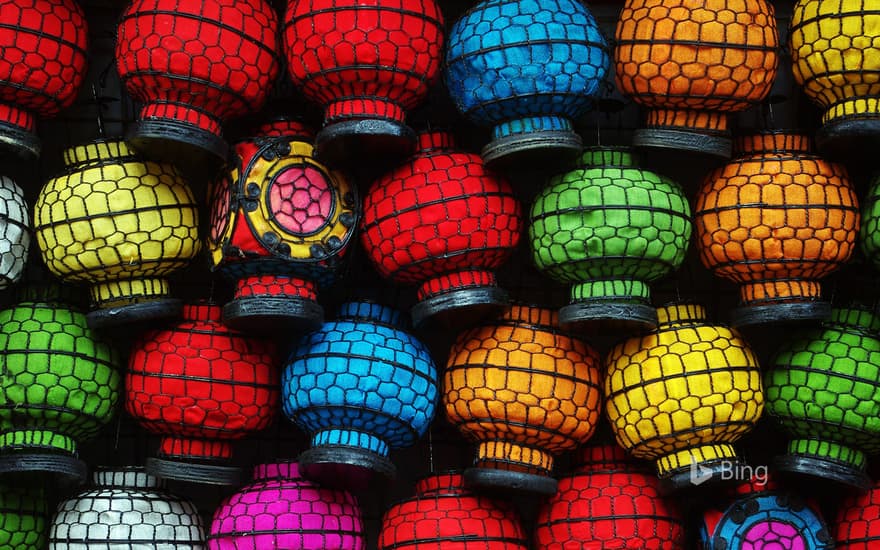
(683, 394)
(120, 224)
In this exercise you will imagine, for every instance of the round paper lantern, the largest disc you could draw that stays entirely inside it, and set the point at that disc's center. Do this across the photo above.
(835, 52)
(281, 223)
(527, 68)
(200, 386)
(42, 68)
(609, 502)
(683, 394)
(15, 232)
(366, 62)
(608, 228)
(444, 514)
(857, 525)
(445, 222)
(359, 386)
(691, 65)
(193, 64)
(59, 387)
(525, 391)
(823, 389)
(126, 508)
(280, 509)
(120, 224)
(869, 234)
(775, 220)
(24, 513)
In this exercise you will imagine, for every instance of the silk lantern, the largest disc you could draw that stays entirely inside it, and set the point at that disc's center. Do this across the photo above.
(43, 66)
(122, 225)
(869, 233)
(527, 68)
(444, 513)
(192, 64)
(366, 62)
(359, 386)
(835, 52)
(776, 220)
(281, 224)
(683, 394)
(280, 509)
(609, 228)
(15, 232)
(823, 389)
(126, 508)
(857, 524)
(445, 222)
(60, 386)
(24, 515)
(609, 501)
(200, 386)
(692, 65)
(525, 391)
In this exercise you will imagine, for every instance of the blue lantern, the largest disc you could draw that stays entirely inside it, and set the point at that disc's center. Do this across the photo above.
(527, 68)
(359, 386)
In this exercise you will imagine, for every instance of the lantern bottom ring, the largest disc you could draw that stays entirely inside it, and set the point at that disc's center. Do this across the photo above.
(850, 138)
(179, 143)
(68, 469)
(273, 314)
(609, 317)
(197, 473)
(718, 146)
(452, 308)
(342, 467)
(22, 143)
(540, 148)
(508, 480)
(710, 472)
(825, 470)
(339, 143)
(132, 313)
(797, 312)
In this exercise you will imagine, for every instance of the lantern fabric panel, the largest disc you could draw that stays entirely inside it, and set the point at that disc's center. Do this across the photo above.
(15, 232)
(528, 69)
(24, 517)
(869, 233)
(857, 524)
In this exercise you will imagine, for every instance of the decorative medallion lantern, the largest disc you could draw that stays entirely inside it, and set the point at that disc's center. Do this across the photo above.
(126, 508)
(15, 232)
(366, 62)
(42, 68)
(609, 502)
(835, 51)
(823, 388)
(857, 525)
(869, 233)
(200, 386)
(280, 509)
(444, 221)
(775, 220)
(24, 515)
(608, 228)
(445, 514)
(281, 223)
(683, 394)
(120, 224)
(59, 387)
(527, 68)
(526, 392)
(193, 64)
(359, 386)
(691, 64)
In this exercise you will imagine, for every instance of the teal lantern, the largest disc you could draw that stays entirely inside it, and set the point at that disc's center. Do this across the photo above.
(823, 388)
(608, 228)
(24, 516)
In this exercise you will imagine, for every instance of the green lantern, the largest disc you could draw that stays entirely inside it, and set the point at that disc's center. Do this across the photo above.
(23, 513)
(608, 228)
(59, 386)
(869, 234)
(823, 388)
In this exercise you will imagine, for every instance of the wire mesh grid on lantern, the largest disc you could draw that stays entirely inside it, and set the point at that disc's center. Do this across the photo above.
(857, 523)
(869, 231)
(15, 232)
(24, 516)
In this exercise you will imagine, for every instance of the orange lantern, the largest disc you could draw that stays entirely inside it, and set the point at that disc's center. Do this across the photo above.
(691, 64)
(776, 220)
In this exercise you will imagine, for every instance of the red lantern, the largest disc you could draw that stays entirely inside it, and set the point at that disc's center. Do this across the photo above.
(42, 67)
(366, 62)
(857, 526)
(200, 385)
(193, 64)
(442, 220)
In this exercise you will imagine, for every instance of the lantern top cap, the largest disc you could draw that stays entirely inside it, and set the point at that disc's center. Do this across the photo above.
(286, 470)
(98, 150)
(363, 310)
(533, 315)
(607, 155)
(131, 477)
(773, 141)
(859, 317)
(282, 126)
(674, 314)
(432, 140)
(439, 482)
(203, 312)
